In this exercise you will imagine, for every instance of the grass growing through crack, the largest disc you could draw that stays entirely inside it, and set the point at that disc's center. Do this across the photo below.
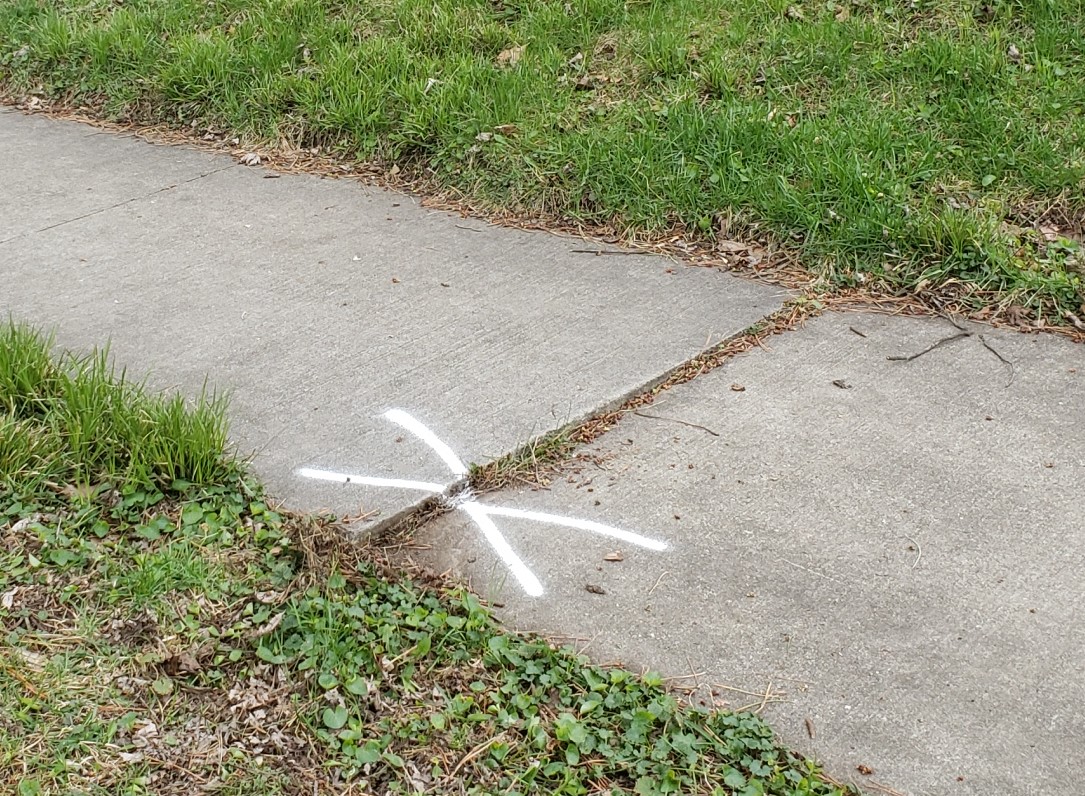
(159, 635)
(907, 144)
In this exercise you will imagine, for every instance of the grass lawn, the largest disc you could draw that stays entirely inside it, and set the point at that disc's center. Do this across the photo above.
(163, 629)
(926, 146)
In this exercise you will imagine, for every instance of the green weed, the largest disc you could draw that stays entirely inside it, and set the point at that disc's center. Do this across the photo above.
(75, 418)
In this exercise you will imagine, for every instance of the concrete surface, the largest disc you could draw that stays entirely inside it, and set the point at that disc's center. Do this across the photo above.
(320, 304)
(903, 556)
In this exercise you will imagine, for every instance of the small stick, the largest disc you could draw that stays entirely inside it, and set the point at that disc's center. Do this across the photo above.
(478, 750)
(26, 683)
(768, 692)
(930, 348)
(660, 578)
(1001, 358)
(737, 690)
(856, 331)
(696, 677)
(676, 420)
(590, 642)
(693, 675)
(810, 728)
(773, 699)
(955, 322)
(883, 788)
(600, 252)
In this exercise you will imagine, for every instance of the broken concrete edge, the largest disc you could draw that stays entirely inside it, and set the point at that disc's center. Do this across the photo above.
(532, 462)
(529, 464)
(778, 264)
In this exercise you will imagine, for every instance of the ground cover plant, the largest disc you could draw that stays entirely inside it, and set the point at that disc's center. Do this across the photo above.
(163, 629)
(914, 145)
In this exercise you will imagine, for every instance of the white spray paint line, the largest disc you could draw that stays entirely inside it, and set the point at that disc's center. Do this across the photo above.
(583, 525)
(479, 513)
(401, 418)
(528, 581)
(367, 480)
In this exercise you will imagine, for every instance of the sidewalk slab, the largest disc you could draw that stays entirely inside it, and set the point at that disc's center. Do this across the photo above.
(898, 557)
(45, 186)
(321, 304)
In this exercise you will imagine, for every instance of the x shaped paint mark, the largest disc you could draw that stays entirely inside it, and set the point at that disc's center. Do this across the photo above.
(479, 513)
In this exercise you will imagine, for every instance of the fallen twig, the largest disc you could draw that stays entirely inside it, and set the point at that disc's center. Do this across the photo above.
(676, 420)
(870, 783)
(743, 690)
(929, 348)
(478, 750)
(690, 676)
(600, 252)
(1001, 358)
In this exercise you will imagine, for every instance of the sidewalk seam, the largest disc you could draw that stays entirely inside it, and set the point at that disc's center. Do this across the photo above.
(561, 442)
(121, 203)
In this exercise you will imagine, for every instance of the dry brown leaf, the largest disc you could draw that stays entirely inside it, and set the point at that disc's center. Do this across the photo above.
(263, 630)
(731, 246)
(1076, 321)
(511, 56)
(738, 388)
(1017, 315)
(615, 556)
(506, 129)
(591, 587)
(182, 663)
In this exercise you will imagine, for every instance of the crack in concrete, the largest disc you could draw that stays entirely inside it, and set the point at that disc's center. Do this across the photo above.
(122, 203)
(481, 479)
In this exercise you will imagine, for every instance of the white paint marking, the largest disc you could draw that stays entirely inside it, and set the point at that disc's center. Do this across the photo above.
(401, 418)
(528, 581)
(366, 480)
(478, 512)
(583, 525)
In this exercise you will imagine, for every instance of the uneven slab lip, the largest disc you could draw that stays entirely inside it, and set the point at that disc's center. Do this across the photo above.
(702, 597)
(490, 339)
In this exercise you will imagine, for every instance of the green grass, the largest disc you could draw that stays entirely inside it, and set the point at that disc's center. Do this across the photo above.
(163, 630)
(909, 146)
(74, 419)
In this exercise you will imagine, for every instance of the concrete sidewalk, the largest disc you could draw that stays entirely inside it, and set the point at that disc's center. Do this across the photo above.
(321, 304)
(893, 551)
(887, 555)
